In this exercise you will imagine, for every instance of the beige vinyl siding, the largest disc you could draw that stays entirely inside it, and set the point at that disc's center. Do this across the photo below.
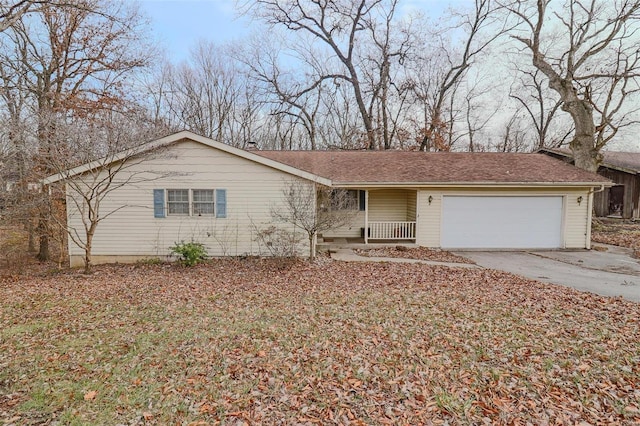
(575, 216)
(388, 205)
(252, 190)
(411, 205)
(576, 220)
(351, 230)
(428, 218)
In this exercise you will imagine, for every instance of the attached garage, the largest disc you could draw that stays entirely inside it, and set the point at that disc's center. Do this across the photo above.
(502, 222)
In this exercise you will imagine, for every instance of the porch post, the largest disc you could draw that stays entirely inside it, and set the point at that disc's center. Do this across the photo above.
(366, 216)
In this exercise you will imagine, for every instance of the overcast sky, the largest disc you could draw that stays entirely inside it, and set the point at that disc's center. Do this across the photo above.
(179, 24)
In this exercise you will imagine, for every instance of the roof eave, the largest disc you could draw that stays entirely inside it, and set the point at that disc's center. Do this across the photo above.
(472, 184)
(605, 163)
(176, 137)
(619, 168)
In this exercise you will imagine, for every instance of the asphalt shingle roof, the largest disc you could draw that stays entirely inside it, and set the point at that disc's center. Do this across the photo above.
(615, 159)
(627, 160)
(433, 167)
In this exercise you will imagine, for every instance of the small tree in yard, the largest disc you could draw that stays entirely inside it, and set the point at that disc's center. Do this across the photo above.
(315, 209)
(86, 191)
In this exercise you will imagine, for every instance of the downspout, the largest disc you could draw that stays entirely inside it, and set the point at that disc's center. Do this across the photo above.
(590, 213)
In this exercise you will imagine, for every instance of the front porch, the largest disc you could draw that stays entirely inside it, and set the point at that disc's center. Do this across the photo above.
(385, 216)
(395, 231)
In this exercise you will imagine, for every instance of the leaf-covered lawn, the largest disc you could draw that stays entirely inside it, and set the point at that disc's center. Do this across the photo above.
(420, 253)
(618, 233)
(250, 342)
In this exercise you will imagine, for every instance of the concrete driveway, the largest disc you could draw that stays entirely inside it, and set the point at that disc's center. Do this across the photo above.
(613, 272)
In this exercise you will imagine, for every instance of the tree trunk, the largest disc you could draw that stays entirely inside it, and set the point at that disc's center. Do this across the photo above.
(43, 231)
(431, 132)
(312, 247)
(584, 152)
(87, 256)
(583, 145)
(44, 254)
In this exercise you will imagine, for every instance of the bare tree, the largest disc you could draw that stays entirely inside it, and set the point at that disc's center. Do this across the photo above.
(158, 94)
(295, 96)
(17, 164)
(315, 209)
(209, 94)
(342, 27)
(207, 89)
(382, 68)
(449, 67)
(72, 60)
(514, 136)
(588, 51)
(476, 113)
(340, 127)
(116, 138)
(540, 106)
(12, 11)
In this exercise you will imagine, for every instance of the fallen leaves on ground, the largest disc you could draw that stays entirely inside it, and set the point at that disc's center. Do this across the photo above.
(421, 253)
(273, 342)
(617, 233)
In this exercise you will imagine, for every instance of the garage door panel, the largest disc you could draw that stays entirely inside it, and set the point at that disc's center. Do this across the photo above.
(501, 222)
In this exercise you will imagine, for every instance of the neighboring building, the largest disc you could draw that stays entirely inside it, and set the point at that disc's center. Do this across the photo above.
(220, 195)
(623, 168)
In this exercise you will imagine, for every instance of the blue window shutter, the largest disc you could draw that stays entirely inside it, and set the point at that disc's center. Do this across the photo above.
(363, 200)
(221, 203)
(158, 203)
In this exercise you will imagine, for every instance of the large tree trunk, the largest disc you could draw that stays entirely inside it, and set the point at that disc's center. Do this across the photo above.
(583, 145)
(44, 253)
(585, 154)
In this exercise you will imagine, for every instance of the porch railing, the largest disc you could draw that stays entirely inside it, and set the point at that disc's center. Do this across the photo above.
(392, 231)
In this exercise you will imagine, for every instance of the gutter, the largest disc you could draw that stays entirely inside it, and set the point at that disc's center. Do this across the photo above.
(602, 188)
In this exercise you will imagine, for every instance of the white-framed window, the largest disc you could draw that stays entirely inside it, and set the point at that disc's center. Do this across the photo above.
(202, 203)
(178, 202)
(190, 202)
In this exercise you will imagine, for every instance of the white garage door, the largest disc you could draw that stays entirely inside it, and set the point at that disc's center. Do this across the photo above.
(501, 222)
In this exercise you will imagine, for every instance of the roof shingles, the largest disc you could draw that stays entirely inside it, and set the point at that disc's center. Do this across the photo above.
(371, 167)
(627, 160)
